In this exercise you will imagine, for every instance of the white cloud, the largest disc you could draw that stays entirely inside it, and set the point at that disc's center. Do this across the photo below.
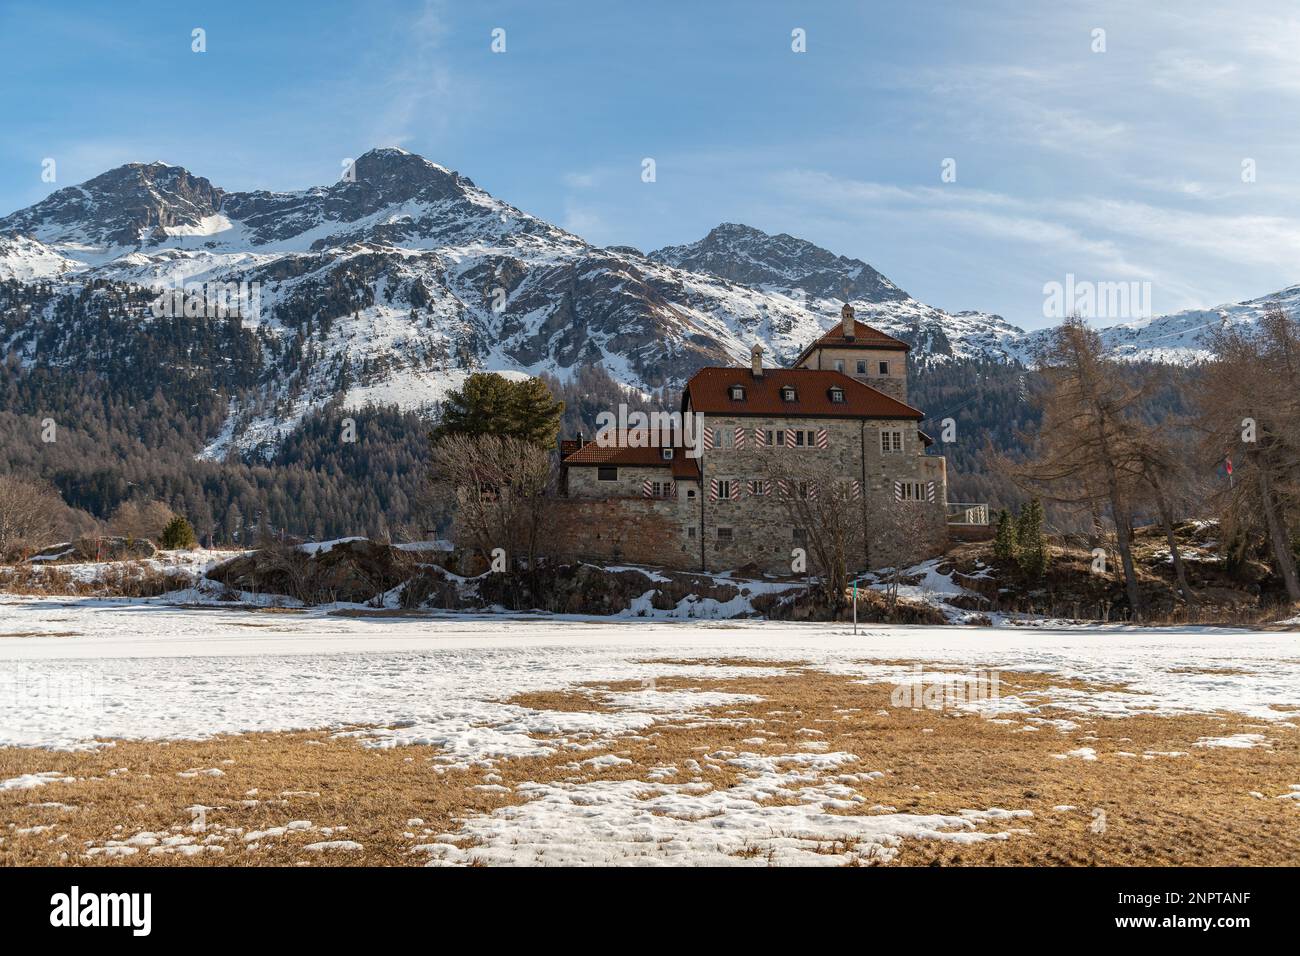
(1186, 73)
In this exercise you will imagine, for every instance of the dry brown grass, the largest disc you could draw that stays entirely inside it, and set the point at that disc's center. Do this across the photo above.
(1190, 810)
(131, 579)
(724, 662)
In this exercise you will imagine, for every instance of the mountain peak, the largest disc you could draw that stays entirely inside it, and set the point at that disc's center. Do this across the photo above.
(724, 230)
(741, 253)
(394, 164)
(126, 206)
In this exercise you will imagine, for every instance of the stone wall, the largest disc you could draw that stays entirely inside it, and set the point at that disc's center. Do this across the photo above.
(584, 481)
(971, 532)
(626, 530)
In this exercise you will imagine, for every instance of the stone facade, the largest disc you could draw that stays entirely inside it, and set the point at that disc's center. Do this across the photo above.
(760, 528)
(745, 528)
(865, 365)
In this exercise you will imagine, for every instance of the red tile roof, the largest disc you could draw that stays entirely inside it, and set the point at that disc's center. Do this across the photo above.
(864, 337)
(685, 468)
(708, 391)
(592, 454)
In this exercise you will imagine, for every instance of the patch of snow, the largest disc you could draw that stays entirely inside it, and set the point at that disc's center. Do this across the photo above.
(1234, 741)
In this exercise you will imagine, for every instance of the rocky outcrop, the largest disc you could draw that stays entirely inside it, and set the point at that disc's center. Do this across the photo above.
(353, 571)
(109, 548)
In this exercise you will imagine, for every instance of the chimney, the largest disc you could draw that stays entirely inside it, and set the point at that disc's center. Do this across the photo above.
(756, 360)
(846, 321)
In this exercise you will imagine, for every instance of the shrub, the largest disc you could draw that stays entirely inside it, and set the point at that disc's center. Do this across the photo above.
(178, 534)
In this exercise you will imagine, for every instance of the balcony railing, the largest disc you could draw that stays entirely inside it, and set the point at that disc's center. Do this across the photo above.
(968, 512)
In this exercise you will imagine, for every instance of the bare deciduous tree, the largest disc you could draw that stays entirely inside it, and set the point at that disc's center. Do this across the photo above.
(822, 503)
(135, 519)
(899, 529)
(29, 515)
(502, 490)
(1089, 452)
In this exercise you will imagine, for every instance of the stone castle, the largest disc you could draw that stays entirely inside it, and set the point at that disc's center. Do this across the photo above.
(841, 411)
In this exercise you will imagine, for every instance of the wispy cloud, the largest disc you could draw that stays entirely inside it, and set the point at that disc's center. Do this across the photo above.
(1104, 238)
(410, 94)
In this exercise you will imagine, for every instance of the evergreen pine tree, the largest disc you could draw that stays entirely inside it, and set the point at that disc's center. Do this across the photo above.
(490, 404)
(1031, 546)
(1004, 542)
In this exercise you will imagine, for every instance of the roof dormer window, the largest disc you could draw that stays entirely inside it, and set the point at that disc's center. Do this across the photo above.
(668, 454)
(788, 394)
(737, 393)
(837, 395)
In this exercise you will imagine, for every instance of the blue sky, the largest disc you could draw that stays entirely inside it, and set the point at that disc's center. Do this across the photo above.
(1117, 165)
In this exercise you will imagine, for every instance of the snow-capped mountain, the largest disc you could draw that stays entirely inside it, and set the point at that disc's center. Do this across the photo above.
(795, 268)
(751, 257)
(393, 284)
(1185, 337)
(1179, 338)
(405, 276)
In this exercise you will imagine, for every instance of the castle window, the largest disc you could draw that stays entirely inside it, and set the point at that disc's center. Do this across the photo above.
(607, 473)
(837, 395)
(891, 442)
(884, 368)
(737, 393)
(667, 454)
(724, 536)
(724, 489)
(690, 494)
(862, 368)
(839, 365)
(788, 394)
(910, 491)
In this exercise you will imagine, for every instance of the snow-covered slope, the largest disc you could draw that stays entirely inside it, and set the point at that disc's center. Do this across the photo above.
(24, 259)
(1179, 338)
(1185, 337)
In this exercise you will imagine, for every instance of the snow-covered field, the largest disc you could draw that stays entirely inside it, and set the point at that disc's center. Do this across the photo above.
(74, 672)
(137, 669)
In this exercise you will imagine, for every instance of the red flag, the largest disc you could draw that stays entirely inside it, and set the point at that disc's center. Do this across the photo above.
(1227, 460)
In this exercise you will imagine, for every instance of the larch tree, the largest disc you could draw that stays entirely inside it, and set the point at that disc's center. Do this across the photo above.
(1087, 453)
(1250, 415)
